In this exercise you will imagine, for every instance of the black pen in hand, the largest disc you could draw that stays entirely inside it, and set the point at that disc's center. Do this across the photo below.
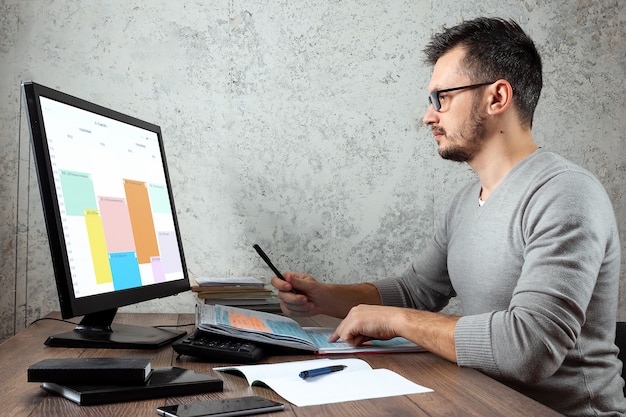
(270, 264)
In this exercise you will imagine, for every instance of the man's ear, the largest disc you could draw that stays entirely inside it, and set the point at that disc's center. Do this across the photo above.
(500, 97)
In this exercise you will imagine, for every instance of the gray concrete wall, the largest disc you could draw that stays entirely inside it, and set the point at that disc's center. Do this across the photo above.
(291, 124)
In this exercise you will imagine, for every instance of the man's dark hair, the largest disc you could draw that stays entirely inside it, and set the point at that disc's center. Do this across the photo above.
(495, 49)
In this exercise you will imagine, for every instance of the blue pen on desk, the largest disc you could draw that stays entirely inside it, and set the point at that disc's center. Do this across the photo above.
(321, 371)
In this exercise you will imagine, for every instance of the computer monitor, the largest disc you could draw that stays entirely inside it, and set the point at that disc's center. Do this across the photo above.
(110, 216)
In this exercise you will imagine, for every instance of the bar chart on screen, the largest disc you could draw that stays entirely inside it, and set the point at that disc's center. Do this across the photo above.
(114, 213)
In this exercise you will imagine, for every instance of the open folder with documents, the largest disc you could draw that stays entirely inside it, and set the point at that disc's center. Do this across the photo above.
(356, 381)
(274, 329)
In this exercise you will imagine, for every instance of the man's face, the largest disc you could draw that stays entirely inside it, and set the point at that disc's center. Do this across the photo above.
(459, 125)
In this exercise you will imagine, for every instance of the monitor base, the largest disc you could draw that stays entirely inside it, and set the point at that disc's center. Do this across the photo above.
(97, 330)
(120, 336)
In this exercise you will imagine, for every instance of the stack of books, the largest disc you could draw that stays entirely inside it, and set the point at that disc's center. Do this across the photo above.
(91, 381)
(243, 292)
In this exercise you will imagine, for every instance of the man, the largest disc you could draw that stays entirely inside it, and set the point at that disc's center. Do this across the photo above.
(531, 249)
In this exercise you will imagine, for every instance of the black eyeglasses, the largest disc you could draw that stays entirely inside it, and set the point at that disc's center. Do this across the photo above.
(433, 98)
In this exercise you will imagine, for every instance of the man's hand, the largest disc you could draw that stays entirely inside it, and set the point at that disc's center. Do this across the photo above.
(432, 331)
(300, 294)
(312, 297)
(366, 322)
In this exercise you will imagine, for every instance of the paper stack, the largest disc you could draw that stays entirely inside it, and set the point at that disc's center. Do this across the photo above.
(357, 381)
(243, 292)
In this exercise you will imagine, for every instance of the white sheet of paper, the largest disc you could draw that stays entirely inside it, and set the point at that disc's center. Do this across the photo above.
(357, 381)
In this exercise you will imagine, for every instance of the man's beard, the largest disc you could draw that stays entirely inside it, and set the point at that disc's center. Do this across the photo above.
(467, 141)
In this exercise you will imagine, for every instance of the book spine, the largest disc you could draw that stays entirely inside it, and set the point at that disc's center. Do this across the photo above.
(88, 376)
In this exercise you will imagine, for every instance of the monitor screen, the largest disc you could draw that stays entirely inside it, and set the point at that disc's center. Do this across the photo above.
(109, 213)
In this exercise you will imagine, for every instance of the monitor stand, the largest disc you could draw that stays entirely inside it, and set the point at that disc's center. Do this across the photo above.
(96, 330)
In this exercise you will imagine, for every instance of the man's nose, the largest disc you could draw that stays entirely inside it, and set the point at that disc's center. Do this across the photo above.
(431, 116)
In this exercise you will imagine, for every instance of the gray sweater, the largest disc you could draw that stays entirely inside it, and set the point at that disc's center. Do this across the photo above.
(536, 269)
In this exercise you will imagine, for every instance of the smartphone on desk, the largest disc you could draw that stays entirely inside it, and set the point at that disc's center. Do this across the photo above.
(242, 406)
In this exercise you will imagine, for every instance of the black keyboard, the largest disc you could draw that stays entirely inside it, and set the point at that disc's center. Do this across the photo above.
(217, 348)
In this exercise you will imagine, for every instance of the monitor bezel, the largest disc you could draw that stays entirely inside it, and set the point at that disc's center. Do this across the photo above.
(70, 305)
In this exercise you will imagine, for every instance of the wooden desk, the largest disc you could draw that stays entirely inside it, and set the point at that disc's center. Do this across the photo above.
(457, 391)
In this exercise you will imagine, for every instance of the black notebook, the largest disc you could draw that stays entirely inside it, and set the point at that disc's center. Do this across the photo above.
(163, 382)
(118, 371)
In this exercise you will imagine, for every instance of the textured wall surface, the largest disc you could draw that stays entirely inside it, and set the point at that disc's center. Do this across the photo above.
(295, 125)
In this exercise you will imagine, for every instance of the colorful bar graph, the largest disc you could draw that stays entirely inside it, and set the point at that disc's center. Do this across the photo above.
(121, 231)
(157, 269)
(169, 252)
(78, 192)
(141, 220)
(117, 227)
(125, 270)
(159, 198)
(97, 243)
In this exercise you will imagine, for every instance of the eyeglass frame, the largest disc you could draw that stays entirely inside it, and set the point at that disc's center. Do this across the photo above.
(433, 97)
